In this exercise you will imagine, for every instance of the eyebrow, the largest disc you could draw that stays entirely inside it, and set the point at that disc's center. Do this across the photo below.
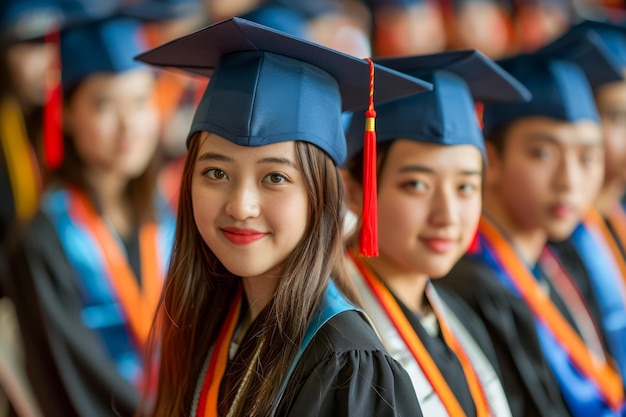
(213, 156)
(586, 141)
(420, 168)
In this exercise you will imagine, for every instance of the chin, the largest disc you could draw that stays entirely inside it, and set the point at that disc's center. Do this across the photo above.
(561, 231)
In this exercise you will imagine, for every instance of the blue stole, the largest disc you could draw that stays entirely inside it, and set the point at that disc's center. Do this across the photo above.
(101, 310)
(608, 289)
(332, 304)
(581, 395)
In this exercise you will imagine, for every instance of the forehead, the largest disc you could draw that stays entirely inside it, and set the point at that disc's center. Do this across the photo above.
(216, 144)
(435, 157)
(537, 129)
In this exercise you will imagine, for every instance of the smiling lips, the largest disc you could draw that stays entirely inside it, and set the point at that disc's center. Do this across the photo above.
(439, 245)
(242, 236)
(561, 211)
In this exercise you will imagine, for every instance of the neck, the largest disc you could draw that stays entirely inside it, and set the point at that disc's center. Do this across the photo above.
(528, 242)
(259, 292)
(109, 191)
(409, 287)
(610, 196)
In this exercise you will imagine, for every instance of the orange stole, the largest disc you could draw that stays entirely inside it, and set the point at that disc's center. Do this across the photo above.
(139, 304)
(209, 395)
(606, 379)
(419, 352)
(617, 219)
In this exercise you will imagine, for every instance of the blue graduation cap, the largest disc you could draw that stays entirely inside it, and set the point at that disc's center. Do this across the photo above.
(103, 46)
(560, 77)
(613, 36)
(267, 86)
(446, 115)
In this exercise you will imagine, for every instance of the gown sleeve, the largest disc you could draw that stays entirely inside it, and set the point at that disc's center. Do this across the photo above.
(69, 371)
(527, 379)
(352, 375)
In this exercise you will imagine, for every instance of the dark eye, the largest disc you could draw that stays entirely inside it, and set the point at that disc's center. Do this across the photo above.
(215, 174)
(541, 153)
(417, 185)
(467, 188)
(275, 178)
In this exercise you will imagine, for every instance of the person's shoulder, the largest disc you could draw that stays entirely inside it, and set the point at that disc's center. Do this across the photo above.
(345, 371)
(348, 331)
(469, 278)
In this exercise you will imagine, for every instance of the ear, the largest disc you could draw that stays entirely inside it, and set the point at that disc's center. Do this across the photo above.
(354, 192)
(494, 165)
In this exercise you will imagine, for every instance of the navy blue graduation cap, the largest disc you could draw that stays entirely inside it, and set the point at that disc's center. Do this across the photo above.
(613, 36)
(108, 45)
(560, 77)
(267, 86)
(446, 115)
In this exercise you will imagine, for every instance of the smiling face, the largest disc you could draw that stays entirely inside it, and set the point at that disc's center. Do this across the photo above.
(429, 203)
(250, 204)
(548, 173)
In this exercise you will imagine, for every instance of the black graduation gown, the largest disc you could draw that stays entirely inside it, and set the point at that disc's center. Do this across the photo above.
(528, 382)
(445, 359)
(343, 372)
(69, 370)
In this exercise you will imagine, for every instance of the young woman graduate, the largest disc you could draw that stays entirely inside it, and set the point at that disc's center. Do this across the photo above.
(254, 318)
(88, 269)
(545, 167)
(430, 164)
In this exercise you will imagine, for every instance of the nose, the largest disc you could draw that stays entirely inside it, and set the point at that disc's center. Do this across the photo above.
(442, 207)
(243, 201)
(567, 174)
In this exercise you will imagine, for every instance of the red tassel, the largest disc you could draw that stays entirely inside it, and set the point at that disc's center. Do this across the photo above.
(480, 110)
(368, 237)
(52, 124)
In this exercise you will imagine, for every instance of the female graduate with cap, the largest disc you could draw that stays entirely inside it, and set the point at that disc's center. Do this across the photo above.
(255, 318)
(545, 167)
(90, 265)
(429, 167)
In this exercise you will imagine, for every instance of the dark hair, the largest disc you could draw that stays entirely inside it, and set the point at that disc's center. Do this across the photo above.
(198, 287)
(498, 137)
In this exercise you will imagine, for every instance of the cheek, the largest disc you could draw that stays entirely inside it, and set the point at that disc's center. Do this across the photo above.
(92, 133)
(400, 215)
(203, 206)
(470, 212)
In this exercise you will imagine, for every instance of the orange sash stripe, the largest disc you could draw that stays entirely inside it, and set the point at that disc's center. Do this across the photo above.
(617, 218)
(478, 394)
(139, 306)
(606, 379)
(412, 341)
(219, 359)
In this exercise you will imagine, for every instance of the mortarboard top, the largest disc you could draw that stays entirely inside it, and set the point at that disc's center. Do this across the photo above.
(102, 46)
(446, 115)
(613, 36)
(559, 76)
(267, 86)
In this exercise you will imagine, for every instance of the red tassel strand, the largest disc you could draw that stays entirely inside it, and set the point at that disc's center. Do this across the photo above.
(368, 237)
(52, 125)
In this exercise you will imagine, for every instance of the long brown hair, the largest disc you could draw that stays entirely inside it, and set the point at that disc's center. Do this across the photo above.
(199, 291)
